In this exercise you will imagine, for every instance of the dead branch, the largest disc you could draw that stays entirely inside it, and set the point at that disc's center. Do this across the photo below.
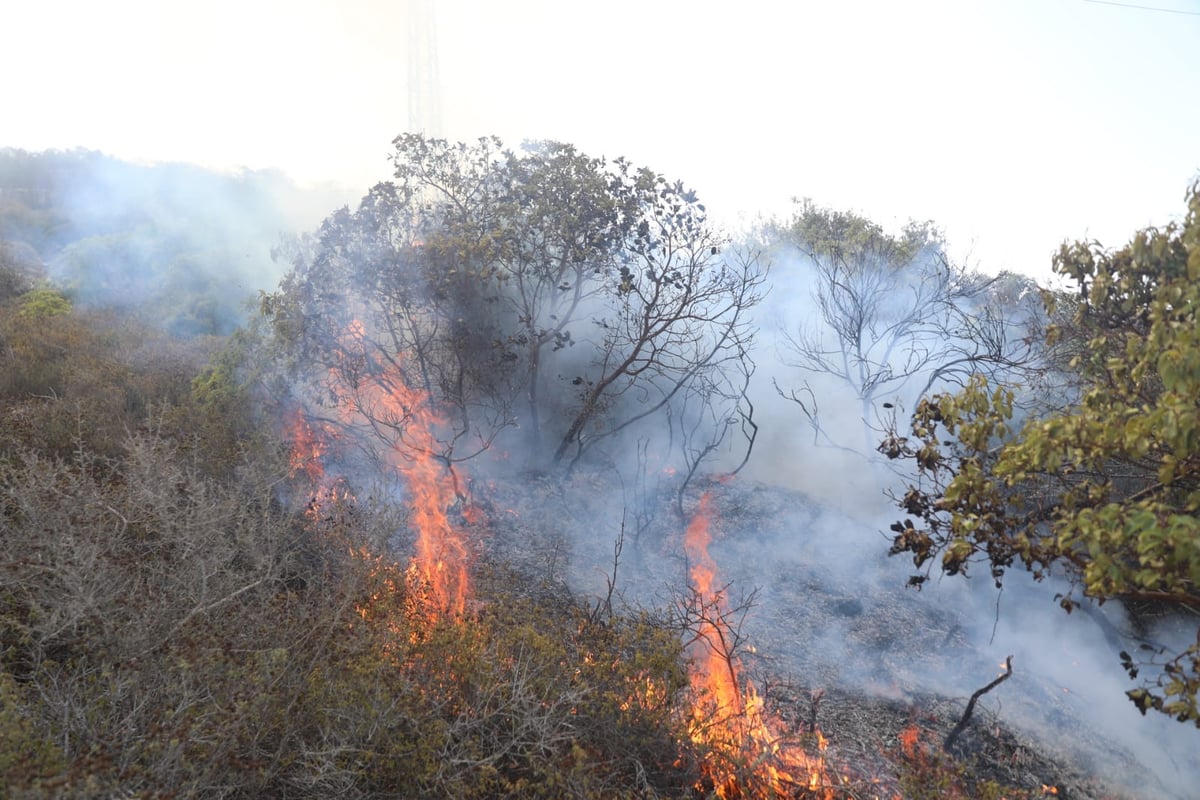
(604, 607)
(966, 717)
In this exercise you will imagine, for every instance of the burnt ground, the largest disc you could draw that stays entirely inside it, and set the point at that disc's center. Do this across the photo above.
(835, 620)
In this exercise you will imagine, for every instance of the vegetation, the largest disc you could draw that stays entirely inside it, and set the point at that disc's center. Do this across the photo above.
(169, 627)
(542, 290)
(1106, 489)
(182, 616)
(895, 317)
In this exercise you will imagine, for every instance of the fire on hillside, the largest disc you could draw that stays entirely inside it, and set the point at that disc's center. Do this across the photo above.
(744, 748)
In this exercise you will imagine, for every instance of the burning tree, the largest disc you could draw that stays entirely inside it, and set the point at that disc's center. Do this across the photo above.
(544, 290)
(374, 399)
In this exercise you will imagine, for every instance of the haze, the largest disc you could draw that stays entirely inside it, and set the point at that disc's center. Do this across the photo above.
(1014, 125)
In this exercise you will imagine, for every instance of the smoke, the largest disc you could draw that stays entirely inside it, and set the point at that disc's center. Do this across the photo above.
(803, 530)
(834, 608)
(179, 246)
(803, 526)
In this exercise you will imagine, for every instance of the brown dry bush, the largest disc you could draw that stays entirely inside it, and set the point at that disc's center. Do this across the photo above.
(86, 378)
(165, 634)
(174, 623)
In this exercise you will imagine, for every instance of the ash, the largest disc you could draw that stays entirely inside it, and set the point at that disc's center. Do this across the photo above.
(826, 610)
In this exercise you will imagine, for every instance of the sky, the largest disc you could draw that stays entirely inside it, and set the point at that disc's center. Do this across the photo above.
(1013, 124)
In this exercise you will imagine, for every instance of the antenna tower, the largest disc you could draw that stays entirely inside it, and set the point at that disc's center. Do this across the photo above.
(424, 92)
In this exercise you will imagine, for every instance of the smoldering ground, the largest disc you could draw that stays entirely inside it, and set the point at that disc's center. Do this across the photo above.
(803, 529)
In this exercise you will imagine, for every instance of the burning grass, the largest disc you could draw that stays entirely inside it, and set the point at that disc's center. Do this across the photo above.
(544, 691)
(745, 750)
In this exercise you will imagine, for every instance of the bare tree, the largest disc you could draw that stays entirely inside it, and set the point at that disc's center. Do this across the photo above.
(678, 326)
(895, 318)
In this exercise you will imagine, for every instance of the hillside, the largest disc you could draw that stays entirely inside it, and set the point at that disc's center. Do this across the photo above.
(510, 493)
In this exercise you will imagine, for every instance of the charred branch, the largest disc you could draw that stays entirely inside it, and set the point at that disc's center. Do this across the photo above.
(965, 720)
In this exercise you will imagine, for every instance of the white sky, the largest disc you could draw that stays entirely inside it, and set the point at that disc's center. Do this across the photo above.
(1012, 123)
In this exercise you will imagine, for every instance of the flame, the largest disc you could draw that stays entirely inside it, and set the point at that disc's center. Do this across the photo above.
(373, 393)
(729, 718)
(382, 395)
(310, 445)
(308, 448)
(908, 740)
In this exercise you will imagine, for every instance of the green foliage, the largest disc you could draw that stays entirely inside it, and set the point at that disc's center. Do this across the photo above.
(1106, 489)
(848, 236)
(41, 303)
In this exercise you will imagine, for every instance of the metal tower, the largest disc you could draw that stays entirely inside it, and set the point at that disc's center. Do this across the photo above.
(424, 91)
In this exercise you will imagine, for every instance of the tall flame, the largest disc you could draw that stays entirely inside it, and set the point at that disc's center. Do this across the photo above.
(717, 668)
(729, 718)
(374, 394)
(382, 395)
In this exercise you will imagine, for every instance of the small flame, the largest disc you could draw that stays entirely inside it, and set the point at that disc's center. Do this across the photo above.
(308, 448)
(909, 737)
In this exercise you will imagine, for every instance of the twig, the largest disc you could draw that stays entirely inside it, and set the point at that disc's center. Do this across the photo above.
(814, 702)
(966, 717)
(606, 605)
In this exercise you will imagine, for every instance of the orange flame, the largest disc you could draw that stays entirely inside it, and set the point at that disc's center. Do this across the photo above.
(307, 449)
(307, 458)
(374, 393)
(729, 718)
(908, 740)
(381, 396)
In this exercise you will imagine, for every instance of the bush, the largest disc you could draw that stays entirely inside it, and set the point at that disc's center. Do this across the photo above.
(163, 633)
(85, 379)
(41, 303)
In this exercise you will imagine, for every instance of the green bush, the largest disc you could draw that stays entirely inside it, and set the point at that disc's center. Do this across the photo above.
(42, 303)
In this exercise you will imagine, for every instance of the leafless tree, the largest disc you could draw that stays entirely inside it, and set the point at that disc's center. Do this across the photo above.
(896, 319)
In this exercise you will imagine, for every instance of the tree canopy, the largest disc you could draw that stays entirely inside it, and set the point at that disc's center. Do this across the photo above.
(1105, 490)
(541, 289)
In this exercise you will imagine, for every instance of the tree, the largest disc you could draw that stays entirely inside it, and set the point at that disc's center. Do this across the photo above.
(893, 314)
(544, 289)
(1105, 490)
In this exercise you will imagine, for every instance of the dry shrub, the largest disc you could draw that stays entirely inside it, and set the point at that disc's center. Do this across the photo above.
(166, 634)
